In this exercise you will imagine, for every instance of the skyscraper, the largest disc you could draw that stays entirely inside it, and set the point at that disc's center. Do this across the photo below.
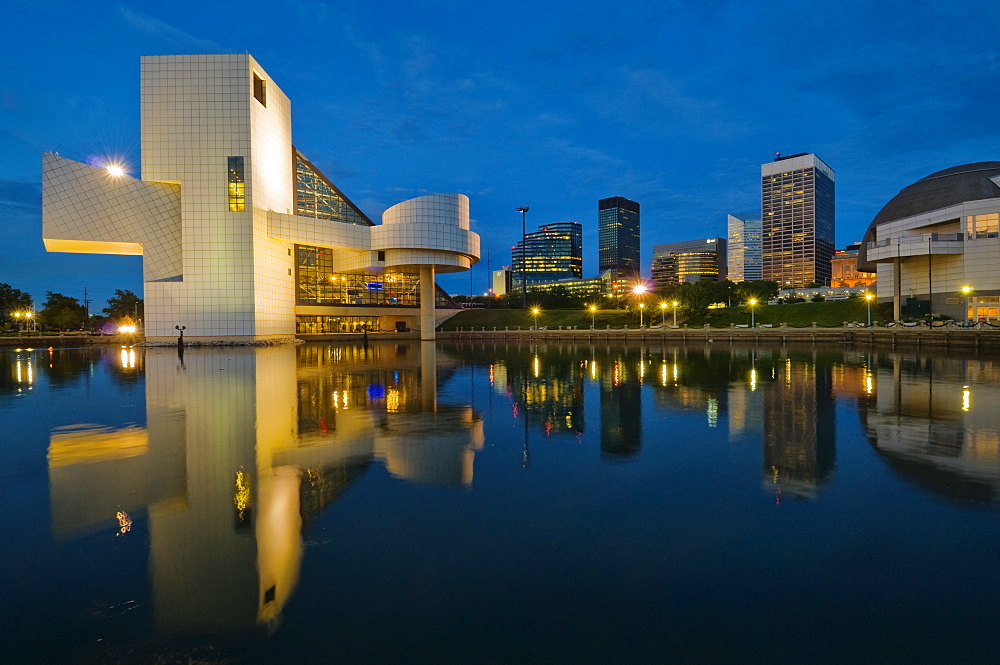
(797, 210)
(554, 251)
(618, 236)
(744, 231)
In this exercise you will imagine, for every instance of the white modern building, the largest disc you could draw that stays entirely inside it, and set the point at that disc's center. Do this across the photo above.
(744, 246)
(936, 245)
(242, 237)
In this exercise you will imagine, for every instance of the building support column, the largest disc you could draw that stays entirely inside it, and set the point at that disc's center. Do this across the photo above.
(428, 377)
(427, 318)
(897, 290)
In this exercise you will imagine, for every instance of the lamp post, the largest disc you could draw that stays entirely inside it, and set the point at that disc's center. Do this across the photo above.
(535, 311)
(524, 275)
(751, 303)
(642, 306)
(27, 325)
(17, 318)
(868, 300)
(663, 314)
(967, 290)
(593, 310)
(675, 313)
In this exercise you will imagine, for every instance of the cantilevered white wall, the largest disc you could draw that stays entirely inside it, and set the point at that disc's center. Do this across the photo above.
(223, 267)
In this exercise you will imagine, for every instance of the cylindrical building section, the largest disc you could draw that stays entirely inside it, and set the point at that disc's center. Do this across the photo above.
(428, 234)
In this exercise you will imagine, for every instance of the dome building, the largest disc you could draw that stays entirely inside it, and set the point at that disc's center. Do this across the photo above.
(936, 245)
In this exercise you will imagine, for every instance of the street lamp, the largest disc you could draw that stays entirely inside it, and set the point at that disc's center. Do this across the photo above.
(535, 311)
(593, 310)
(524, 275)
(675, 303)
(663, 314)
(967, 290)
(868, 299)
(751, 303)
(642, 306)
(27, 316)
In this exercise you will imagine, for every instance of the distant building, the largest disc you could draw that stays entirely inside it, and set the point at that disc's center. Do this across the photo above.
(502, 281)
(689, 261)
(554, 251)
(797, 220)
(937, 236)
(844, 268)
(591, 287)
(744, 247)
(618, 236)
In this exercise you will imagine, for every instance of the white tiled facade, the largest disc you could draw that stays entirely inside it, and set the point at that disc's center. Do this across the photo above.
(936, 258)
(226, 274)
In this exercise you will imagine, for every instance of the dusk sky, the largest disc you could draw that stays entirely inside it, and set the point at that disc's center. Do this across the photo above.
(550, 105)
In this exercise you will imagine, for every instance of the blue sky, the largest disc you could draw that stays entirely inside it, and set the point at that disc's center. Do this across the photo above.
(550, 105)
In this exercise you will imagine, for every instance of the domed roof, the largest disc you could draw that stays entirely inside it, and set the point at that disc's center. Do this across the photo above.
(951, 186)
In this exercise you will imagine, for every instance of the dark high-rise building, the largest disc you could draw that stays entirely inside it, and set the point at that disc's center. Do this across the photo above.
(554, 251)
(797, 210)
(618, 236)
(689, 261)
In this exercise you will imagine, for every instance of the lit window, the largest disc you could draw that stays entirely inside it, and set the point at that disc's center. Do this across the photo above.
(983, 226)
(236, 185)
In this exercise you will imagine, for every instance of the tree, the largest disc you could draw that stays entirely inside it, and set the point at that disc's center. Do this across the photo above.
(62, 312)
(13, 300)
(124, 303)
(761, 289)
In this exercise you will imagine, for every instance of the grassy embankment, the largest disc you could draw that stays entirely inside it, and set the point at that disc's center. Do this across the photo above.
(829, 314)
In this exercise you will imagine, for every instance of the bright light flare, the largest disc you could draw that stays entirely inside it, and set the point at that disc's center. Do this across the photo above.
(639, 289)
(115, 170)
(126, 329)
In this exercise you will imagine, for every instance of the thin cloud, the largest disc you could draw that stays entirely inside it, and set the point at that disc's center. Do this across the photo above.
(176, 37)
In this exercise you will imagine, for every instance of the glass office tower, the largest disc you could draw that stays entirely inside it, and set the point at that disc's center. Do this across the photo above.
(744, 246)
(797, 210)
(554, 251)
(618, 236)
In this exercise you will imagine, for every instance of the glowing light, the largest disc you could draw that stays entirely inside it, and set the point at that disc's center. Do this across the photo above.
(639, 289)
(753, 379)
(966, 398)
(536, 366)
(124, 522)
(869, 296)
(115, 170)
(663, 374)
(869, 383)
(241, 497)
(593, 371)
(966, 290)
(127, 329)
(392, 400)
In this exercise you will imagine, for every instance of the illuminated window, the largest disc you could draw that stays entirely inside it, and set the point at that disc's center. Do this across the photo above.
(236, 185)
(259, 89)
(983, 226)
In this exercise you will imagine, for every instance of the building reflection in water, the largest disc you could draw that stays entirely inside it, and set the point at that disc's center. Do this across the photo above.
(934, 421)
(621, 406)
(240, 448)
(799, 425)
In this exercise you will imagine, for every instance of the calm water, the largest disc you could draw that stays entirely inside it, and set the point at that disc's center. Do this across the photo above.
(499, 504)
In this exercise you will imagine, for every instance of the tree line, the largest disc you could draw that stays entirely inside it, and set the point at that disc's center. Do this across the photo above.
(692, 299)
(61, 312)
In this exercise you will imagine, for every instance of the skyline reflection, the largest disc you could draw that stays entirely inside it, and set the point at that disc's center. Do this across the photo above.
(241, 448)
(226, 478)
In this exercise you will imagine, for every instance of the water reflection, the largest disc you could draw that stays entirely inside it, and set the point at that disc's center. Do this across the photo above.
(934, 421)
(240, 449)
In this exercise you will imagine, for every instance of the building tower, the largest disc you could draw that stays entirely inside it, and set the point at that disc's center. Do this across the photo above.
(618, 236)
(554, 251)
(744, 231)
(797, 211)
(689, 261)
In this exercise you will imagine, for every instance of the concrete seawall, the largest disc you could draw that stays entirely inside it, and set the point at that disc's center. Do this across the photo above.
(912, 338)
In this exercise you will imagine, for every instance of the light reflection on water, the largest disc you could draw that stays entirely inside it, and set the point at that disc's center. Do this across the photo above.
(241, 454)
